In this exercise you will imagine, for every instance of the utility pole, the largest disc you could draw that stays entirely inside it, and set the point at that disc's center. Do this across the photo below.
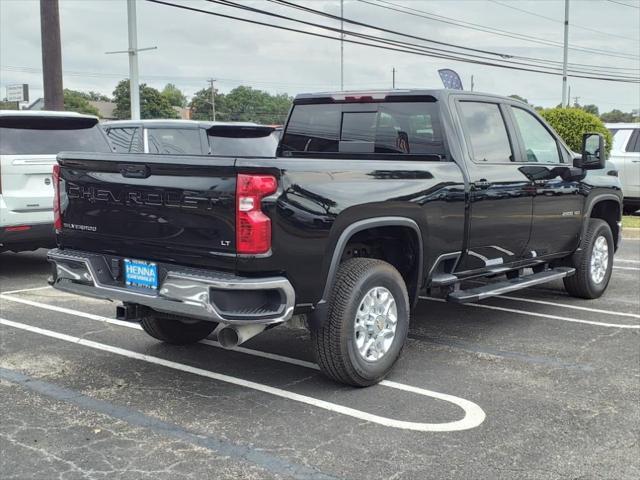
(51, 55)
(134, 79)
(213, 99)
(341, 44)
(393, 84)
(472, 85)
(566, 54)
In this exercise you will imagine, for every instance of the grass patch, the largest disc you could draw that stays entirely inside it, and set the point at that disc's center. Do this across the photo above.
(630, 221)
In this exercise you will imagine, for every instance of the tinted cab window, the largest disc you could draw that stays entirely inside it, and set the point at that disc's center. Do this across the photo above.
(486, 132)
(540, 146)
(179, 141)
(385, 130)
(230, 146)
(126, 139)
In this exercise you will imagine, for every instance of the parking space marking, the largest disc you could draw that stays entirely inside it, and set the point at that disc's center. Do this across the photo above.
(574, 307)
(541, 315)
(256, 353)
(625, 260)
(626, 268)
(252, 454)
(32, 289)
(473, 414)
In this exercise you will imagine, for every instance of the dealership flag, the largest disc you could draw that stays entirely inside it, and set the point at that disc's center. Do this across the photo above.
(450, 79)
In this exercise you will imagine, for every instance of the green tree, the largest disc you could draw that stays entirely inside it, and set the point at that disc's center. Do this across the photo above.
(152, 103)
(246, 104)
(242, 104)
(75, 101)
(96, 97)
(200, 104)
(592, 109)
(618, 116)
(572, 123)
(174, 95)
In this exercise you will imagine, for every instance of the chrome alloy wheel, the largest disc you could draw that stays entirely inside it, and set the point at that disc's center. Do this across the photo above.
(599, 259)
(375, 324)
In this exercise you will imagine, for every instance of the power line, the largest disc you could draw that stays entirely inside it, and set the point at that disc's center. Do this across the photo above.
(551, 19)
(493, 30)
(203, 78)
(404, 46)
(623, 3)
(334, 17)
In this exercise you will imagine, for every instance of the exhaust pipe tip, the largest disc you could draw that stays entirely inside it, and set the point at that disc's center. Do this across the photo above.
(228, 337)
(232, 336)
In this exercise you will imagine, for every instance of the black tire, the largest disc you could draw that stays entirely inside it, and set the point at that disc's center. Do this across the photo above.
(582, 285)
(630, 209)
(334, 342)
(176, 330)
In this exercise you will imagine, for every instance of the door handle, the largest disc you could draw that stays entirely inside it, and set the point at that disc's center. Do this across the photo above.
(482, 184)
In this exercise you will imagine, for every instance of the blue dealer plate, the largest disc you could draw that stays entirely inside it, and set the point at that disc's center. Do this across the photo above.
(138, 273)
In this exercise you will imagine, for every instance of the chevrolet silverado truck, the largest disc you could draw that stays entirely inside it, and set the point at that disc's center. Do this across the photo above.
(372, 200)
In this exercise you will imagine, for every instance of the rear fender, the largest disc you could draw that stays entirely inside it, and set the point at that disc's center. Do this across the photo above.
(319, 314)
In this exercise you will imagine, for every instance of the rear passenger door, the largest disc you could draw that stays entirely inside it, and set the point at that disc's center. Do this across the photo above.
(501, 197)
(557, 205)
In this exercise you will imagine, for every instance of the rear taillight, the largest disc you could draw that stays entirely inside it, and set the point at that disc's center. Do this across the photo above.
(57, 214)
(253, 227)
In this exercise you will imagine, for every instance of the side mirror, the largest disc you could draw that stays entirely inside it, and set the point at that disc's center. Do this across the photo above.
(593, 152)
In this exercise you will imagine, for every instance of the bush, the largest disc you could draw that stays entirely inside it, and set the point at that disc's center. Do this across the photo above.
(571, 123)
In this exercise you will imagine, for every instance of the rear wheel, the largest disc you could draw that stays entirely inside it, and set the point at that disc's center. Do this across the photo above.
(593, 263)
(366, 325)
(174, 329)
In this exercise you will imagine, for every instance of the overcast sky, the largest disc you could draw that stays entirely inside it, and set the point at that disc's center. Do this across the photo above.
(193, 47)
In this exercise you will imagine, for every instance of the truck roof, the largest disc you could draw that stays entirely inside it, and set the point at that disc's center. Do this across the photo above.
(435, 94)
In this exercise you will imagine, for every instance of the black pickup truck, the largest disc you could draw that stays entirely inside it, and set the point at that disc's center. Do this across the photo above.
(372, 200)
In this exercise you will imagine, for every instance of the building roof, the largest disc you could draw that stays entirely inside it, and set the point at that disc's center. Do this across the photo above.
(105, 109)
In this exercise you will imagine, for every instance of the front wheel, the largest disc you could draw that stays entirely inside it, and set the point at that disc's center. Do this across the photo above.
(593, 263)
(366, 325)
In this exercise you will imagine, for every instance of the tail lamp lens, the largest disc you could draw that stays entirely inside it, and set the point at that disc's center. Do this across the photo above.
(57, 213)
(253, 227)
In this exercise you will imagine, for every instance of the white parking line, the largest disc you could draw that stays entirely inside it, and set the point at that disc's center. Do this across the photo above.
(626, 268)
(624, 260)
(474, 415)
(27, 289)
(542, 315)
(574, 307)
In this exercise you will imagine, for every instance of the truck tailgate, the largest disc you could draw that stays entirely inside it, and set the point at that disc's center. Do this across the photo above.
(155, 207)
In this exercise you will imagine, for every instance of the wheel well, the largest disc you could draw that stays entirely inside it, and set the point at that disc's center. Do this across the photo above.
(396, 245)
(609, 211)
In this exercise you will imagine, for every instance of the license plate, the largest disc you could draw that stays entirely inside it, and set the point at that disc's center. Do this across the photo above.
(139, 273)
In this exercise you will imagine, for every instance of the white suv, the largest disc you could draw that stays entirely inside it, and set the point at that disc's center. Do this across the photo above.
(625, 155)
(29, 143)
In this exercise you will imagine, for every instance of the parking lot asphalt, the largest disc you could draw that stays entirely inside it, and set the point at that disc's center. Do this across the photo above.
(532, 385)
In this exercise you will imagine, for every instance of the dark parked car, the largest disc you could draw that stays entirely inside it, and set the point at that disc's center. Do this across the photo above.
(187, 137)
(372, 200)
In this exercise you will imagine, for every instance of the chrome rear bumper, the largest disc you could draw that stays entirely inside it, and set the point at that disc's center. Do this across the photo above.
(184, 291)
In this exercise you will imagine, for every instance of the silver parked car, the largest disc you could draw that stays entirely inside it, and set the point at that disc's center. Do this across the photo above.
(189, 137)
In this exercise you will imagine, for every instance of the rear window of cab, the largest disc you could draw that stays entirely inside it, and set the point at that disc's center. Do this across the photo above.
(402, 130)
